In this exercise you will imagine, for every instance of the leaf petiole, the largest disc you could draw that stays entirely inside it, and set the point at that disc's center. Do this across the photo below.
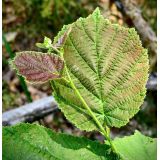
(102, 130)
(89, 110)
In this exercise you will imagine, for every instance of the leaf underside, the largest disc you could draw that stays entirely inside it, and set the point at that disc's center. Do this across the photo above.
(38, 66)
(34, 142)
(108, 66)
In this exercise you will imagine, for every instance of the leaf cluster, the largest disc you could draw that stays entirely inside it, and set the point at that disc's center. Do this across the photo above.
(98, 73)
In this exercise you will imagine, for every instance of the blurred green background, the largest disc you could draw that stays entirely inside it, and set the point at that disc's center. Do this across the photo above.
(26, 22)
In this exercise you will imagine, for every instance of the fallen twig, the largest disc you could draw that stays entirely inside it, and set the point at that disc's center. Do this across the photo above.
(30, 112)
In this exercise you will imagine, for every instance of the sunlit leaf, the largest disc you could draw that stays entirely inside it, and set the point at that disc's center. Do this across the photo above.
(47, 42)
(30, 141)
(34, 142)
(136, 147)
(108, 66)
(41, 45)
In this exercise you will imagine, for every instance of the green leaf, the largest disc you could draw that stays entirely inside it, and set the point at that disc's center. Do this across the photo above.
(109, 67)
(60, 42)
(38, 66)
(41, 45)
(136, 147)
(34, 142)
(47, 42)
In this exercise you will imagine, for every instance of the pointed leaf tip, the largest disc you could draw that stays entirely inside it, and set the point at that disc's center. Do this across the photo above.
(38, 66)
(60, 42)
(97, 12)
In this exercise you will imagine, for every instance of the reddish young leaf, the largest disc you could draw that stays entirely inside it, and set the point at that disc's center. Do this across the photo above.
(38, 66)
(62, 39)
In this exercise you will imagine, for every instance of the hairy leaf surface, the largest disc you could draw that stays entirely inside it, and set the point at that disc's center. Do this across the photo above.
(108, 66)
(34, 142)
(136, 147)
(38, 66)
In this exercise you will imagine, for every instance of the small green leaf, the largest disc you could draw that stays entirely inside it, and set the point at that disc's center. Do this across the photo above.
(108, 66)
(136, 147)
(41, 45)
(38, 66)
(47, 42)
(34, 142)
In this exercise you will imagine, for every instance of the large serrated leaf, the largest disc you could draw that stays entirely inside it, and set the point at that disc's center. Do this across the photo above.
(34, 142)
(136, 147)
(38, 66)
(108, 66)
